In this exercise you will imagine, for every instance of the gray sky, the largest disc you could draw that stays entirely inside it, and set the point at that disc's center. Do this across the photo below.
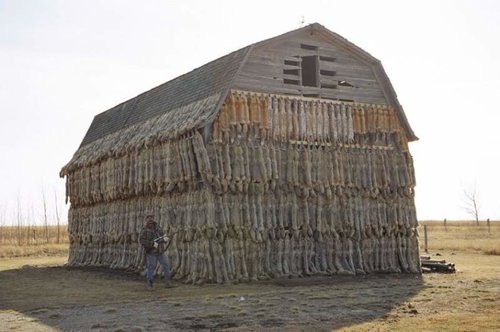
(62, 62)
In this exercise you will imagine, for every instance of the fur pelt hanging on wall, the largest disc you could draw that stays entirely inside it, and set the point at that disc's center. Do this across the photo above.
(283, 186)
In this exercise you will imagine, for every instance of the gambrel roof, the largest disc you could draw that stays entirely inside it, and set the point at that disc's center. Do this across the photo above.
(211, 79)
(213, 82)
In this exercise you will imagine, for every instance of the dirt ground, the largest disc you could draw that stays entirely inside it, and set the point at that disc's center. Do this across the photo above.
(40, 294)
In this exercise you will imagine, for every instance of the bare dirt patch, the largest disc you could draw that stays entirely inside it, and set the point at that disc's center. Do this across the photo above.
(100, 299)
(40, 294)
(54, 298)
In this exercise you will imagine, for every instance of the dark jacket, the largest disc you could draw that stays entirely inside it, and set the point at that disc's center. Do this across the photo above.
(148, 234)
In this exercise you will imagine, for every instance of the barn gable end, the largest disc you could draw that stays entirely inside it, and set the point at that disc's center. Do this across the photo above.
(338, 69)
(309, 65)
(287, 157)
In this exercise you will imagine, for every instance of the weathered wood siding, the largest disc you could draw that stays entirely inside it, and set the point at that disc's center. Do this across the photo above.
(276, 68)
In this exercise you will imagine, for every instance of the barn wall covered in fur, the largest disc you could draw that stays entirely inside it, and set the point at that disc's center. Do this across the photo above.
(248, 185)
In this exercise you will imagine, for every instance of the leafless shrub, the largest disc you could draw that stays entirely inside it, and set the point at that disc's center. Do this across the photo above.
(472, 204)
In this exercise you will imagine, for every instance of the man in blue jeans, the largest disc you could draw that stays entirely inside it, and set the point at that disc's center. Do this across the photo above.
(154, 249)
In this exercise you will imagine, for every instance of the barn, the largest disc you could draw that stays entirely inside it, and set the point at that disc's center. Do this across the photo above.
(288, 157)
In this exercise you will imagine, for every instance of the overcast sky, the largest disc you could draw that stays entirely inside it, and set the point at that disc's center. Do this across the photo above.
(62, 62)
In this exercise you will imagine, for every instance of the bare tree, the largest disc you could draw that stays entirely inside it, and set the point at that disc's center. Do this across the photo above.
(58, 218)
(472, 204)
(3, 209)
(19, 220)
(45, 220)
(31, 226)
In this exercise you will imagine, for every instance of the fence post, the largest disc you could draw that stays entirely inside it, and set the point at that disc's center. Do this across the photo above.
(488, 222)
(446, 229)
(425, 238)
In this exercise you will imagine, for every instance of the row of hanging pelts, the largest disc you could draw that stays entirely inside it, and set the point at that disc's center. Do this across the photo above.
(172, 125)
(311, 167)
(181, 165)
(349, 228)
(370, 118)
(177, 164)
(285, 118)
(282, 118)
(193, 213)
(209, 260)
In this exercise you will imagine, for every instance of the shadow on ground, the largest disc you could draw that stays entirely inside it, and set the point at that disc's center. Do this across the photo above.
(101, 299)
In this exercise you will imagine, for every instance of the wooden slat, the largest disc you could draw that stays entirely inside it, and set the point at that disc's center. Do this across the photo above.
(292, 67)
(291, 77)
(311, 40)
(262, 77)
(263, 71)
(359, 82)
(329, 80)
(257, 86)
(333, 94)
(268, 79)
(293, 58)
(289, 50)
(353, 75)
(354, 92)
(338, 65)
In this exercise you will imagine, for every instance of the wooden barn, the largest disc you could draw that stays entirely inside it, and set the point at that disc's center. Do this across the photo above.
(288, 157)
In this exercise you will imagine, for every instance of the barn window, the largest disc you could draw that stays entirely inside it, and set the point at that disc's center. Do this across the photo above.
(327, 72)
(291, 63)
(327, 58)
(308, 47)
(292, 82)
(291, 72)
(310, 71)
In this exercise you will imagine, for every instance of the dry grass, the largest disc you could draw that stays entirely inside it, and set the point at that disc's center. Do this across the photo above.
(33, 241)
(33, 235)
(32, 261)
(7, 251)
(466, 301)
(462, 236)
(493, 251)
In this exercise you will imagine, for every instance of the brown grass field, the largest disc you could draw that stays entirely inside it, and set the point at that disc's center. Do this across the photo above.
(33, 241)
(38, 293)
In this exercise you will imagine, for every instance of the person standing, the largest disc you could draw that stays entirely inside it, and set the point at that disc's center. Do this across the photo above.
(150, 232)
